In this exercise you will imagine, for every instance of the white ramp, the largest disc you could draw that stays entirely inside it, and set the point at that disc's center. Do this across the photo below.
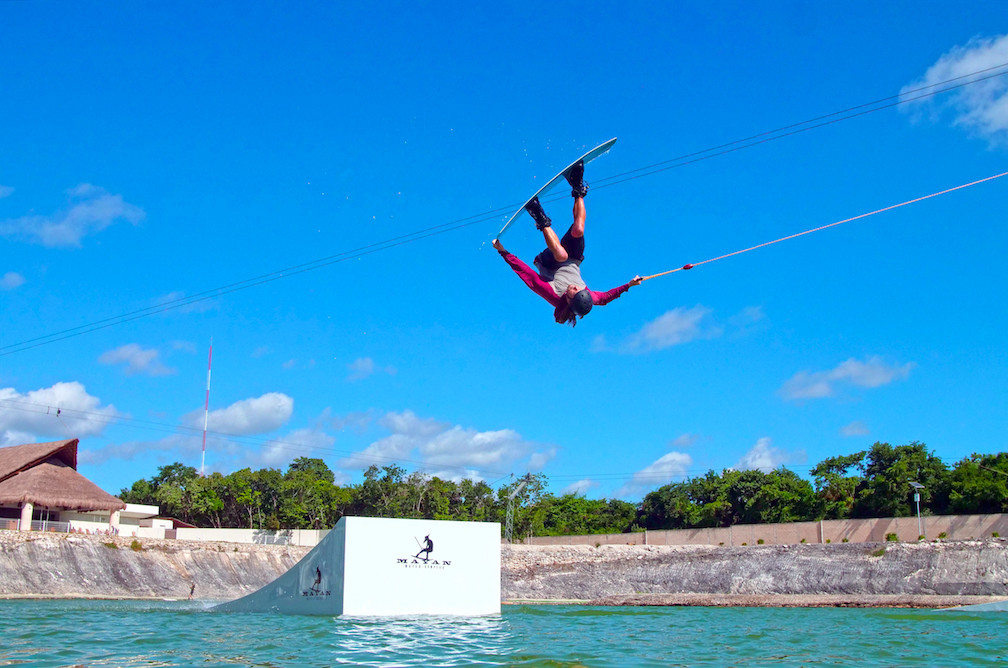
(377, 566)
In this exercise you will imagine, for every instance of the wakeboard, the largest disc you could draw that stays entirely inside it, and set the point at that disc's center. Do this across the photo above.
(586, 158)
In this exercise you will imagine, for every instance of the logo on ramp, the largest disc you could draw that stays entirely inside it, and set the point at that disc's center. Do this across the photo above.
(423, 559)
(317, 587)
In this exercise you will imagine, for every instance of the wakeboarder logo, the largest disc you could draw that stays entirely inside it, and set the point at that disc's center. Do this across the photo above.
(316, 587)
(424, 561)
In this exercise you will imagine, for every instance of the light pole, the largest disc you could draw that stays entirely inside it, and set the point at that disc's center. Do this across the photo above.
(917, 488)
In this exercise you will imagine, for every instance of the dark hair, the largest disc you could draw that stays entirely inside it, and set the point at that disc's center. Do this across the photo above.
(563, 314)
(567, 311)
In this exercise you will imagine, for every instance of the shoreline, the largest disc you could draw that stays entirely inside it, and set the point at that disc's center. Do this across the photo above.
(922, 601)
(36, 566)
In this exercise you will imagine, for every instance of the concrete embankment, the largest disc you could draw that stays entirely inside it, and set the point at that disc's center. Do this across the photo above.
(864, 574)
(898, 574)
(84, 566)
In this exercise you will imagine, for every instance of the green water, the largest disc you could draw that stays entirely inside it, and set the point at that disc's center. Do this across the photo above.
(118, 633)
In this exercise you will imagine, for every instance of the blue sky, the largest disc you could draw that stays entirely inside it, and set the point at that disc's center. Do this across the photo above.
(155, 154)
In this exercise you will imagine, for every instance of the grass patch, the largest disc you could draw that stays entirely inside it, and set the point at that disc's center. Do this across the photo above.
(845, 540)
(942, 536)
(995, 535)
(136, 546)
(111, 546)
(760, 541)
(879, 552)
(891, 538)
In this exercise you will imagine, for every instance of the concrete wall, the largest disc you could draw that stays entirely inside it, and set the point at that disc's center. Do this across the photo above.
(955, 527)
(301, 537)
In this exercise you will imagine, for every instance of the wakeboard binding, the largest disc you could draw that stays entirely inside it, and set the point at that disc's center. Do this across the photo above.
(575, 177)
(534, 208)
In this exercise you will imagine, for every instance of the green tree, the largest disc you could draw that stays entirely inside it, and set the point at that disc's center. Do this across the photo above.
(784, 497)
(979, 484)
(142, 491)
(885, 490)
(669, 507)
(835, 487)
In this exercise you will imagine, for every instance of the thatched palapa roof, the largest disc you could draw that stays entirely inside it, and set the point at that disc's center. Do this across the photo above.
(45, 474)
(20, 457)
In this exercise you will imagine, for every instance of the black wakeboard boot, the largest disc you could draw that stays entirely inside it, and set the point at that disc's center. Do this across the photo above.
(534, 208)
(575, 177)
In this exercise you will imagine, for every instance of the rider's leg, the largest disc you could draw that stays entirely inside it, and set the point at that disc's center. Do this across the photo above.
(578, 227)
(553, 244)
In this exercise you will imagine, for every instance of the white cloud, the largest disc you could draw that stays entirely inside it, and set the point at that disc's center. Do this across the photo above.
(175, 448)
(13, 437)
(684, 440)
(64, 410)
(362, 367)
(137, 360)
(872, 372)
(439, 446)
(748, 320)
(856, 428)
(223, 454)
(11, 280)
(89, 210)
(980, 107)
(538, 460)
(184, 346)
(277, 453)
(671, 466)
(675, 327)
(765, 457)
(258, 415)
(579, 488)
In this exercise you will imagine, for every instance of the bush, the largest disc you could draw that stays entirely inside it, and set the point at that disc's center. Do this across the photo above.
(922, 537)
(828, 541)
(111, 546)
(761, 541)
(803, 540)
(995, 535)
(136, 546)
(891, 538)
(845, 540)
(879, 552)
(942, 535)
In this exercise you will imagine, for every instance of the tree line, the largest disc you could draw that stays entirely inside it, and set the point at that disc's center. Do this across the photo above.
(870, 483)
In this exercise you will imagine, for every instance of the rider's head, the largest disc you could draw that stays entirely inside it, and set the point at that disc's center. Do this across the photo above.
(581, 302)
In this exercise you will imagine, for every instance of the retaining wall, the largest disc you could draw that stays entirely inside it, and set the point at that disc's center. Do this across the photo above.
(875, 530)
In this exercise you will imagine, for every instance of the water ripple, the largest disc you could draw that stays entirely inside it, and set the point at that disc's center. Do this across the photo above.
(180, 633)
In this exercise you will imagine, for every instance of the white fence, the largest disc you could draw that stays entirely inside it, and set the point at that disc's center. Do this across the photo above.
(302, 537)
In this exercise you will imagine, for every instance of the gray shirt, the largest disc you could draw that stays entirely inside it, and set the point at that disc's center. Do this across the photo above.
(568, 273)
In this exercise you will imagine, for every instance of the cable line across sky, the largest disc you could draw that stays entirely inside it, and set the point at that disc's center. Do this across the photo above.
(604, 182)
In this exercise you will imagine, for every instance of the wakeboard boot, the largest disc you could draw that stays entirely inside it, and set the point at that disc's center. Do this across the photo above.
(534, 208)
(575, 177)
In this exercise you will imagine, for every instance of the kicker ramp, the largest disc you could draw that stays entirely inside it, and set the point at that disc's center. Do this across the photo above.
(389, 567)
